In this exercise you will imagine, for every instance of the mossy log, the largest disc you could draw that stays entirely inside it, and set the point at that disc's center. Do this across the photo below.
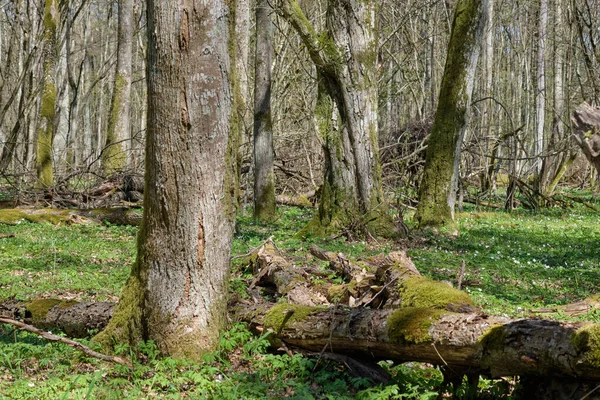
(390, 281)
(290, 281)
(55, 216)
(482, 344)
(300, 200)
(74, 318)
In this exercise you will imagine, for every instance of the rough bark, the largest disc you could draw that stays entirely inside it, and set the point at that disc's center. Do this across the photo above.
(113, 155)
(346, 60)
(437, 191)
(586, 131)
(491, 346)
(338, 203)
(265, 206)
(175, 294)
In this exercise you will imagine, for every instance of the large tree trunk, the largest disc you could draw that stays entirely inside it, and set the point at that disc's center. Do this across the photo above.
(437, 192)
(265, 206)
(346, 60)
(176, 292)
(113, 155)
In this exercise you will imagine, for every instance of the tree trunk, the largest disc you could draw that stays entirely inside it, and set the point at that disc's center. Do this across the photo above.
(113, 156)
(45, 137)
(338, 202)
(540, 96)
(176, 292)
(586, 131)
(346, 60)
(265, 206)
(437, 192)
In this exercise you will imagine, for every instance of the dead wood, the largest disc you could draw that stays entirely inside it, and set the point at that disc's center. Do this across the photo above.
(487, 345)
(586, 131)
(116, 216)
(74, 318)
(302, 200)
(54, 338)
(290, 281)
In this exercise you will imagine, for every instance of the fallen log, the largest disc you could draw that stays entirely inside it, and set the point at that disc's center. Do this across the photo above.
(302, 200)
(482, 344)
(55, 216)
(74, 318)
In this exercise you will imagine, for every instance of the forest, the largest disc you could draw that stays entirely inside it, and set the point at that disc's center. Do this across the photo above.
(309, 199)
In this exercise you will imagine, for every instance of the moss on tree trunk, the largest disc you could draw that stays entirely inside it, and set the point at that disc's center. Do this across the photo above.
(176, 292)
(438, 185)
(45, 136)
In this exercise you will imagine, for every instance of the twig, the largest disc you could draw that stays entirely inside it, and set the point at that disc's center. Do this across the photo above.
(588, 395)
(380, 291)
(54, 338)
(461, 275)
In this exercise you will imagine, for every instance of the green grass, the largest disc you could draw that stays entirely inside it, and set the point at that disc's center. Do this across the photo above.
(83, 262)
(514, 262)
(520, 260)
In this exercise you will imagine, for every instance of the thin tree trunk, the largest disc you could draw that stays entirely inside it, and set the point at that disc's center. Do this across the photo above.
(176, 293)
(540, 94)
(114, 157)
(265, 206)
(45, 137)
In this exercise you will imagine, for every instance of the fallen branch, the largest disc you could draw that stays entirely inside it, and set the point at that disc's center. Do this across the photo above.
(54, 338)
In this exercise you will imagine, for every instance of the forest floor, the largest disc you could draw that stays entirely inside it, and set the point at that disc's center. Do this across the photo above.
(511, 263)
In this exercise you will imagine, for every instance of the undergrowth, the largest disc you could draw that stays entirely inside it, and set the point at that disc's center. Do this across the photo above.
(513, 263)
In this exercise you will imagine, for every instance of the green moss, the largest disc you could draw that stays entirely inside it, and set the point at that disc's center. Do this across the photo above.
(125, 326)
(411, 325)
(39, 309)
(279, 313)
(587, 341)
(52, 216)
(424, 292)
(494, 339)
(265, 207)
(434, 211)
(594, 298)
(233, 157)
(67, 304)
(113, 156)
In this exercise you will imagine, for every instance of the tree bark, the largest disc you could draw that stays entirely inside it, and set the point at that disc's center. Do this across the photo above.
(437, 192)
(176, 292)
(113, 156)
(346, 60)
(540, 96)
(265, 206)
(45, 138)
(586, 131)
